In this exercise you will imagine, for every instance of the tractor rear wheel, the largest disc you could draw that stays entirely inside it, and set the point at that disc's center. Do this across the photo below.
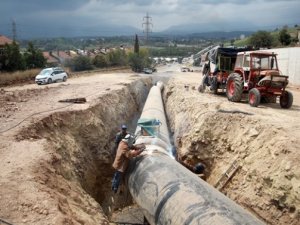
(254, 97)
(286, 100)
(214, 85)
(234, 87)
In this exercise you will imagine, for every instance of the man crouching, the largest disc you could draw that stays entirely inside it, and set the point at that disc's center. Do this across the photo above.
(126, 150)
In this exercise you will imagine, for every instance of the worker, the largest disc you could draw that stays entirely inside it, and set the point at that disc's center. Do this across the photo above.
(125, 152)
(198, 169)
(119, 136)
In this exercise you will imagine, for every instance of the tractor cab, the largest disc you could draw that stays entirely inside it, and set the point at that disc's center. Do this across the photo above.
(255, 66)
(257, 73)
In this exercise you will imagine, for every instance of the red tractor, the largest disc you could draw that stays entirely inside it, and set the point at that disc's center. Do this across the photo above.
(220, 65)
(258, 74)
(238, 71)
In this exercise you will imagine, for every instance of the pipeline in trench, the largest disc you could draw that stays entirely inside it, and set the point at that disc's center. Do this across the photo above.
(81, 142)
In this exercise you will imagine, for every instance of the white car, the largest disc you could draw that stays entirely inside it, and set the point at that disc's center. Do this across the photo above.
(50, 75)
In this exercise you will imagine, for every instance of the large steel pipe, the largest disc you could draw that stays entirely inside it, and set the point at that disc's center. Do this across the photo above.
(167, 192)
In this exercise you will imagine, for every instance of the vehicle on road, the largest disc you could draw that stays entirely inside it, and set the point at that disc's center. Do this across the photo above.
(147, 71)
(50, 75)
(186, 69)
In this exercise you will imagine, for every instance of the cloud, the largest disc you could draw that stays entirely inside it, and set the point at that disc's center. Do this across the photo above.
(92, 15)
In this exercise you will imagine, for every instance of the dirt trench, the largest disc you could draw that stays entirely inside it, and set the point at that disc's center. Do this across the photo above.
(59, 169)
(206, 130)
(69, 180)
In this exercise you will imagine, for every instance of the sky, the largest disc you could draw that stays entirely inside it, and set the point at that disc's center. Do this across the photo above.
(42, 18)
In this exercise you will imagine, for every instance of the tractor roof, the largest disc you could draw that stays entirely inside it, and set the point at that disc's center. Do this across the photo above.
(257, 53)
(229, 52)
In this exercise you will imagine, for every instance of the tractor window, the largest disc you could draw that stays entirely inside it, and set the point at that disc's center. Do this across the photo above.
(226, 63)
(266, 63)
(239, 61)
(256, 63)
(263, 62)
(247, 61)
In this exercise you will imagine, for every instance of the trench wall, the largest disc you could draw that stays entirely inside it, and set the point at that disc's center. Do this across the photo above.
(78, 173)
(267, 182)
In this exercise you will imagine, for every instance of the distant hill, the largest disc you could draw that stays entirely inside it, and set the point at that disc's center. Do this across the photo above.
(53, 31)
(222, 34)
(212, 30)
(206, 35)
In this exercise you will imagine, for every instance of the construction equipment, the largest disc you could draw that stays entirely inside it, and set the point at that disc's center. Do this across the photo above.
(220, 64)
(253, 72)
(258, 74)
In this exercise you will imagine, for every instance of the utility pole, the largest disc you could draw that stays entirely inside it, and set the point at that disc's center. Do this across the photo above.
(14, 30)
(148, 24)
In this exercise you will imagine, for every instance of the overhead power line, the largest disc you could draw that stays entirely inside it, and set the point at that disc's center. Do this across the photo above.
(14, 30)
(148, 24)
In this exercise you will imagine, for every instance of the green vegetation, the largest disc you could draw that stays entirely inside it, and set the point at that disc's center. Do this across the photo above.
(12, 60)
(284, 37)
(263, 39)
(174, 51)
(138, 61)
(34, 57)
(80, 63)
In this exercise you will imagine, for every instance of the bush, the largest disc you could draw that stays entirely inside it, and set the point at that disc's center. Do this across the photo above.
(100, 61)
(34, 57)
(261, 39)
(117, 58)
(284, 37)
(11, 59)
(80, 63)
(138, 61)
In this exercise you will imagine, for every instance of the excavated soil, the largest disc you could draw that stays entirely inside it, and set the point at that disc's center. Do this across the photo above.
(264, 141)
(56, 163)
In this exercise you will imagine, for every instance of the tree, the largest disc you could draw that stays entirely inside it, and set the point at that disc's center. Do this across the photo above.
(12, 60)
(136, 45)
(100, 61)
(34, 57)
(284, 37)
(261, 39)
(117, 58)
(135, 62)
(139, 61)
(80, 63)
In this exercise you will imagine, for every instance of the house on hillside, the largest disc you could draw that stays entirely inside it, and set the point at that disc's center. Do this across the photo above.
(57, 58)
(61, 56)
(51, 61)
(3, 41)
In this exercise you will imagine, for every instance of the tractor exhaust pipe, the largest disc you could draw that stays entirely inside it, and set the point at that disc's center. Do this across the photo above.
(166, 191)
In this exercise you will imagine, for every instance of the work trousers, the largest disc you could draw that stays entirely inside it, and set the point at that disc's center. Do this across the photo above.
(116, 181)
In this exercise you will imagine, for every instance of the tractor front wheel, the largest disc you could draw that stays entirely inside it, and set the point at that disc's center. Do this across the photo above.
(286, 100)
(234, 87)
(254, 97)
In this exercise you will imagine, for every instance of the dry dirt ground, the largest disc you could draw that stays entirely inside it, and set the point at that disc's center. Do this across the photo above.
(55, 157)
(264, 141)
(55, 162)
